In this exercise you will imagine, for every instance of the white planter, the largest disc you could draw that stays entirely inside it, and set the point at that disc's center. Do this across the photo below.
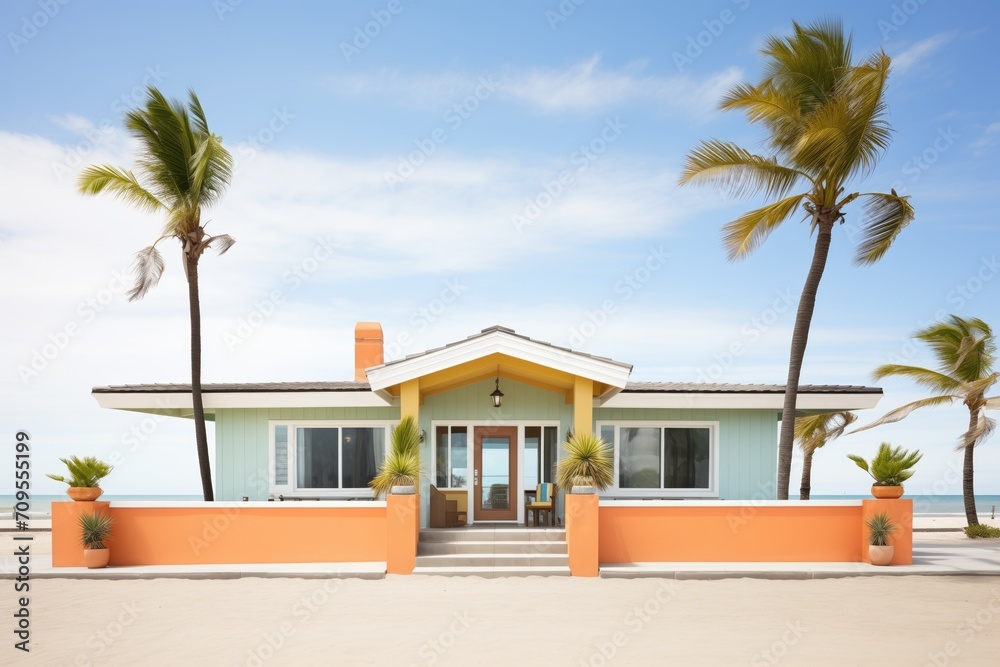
(584, 490)
(404, 490)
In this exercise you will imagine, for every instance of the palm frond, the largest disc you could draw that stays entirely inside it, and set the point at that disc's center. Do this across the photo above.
(814, 431)
(924, 377)
(903, 411)
(121, 183)
(985, 426)
(883, 218)
(739, 171)
(211, 170)
(221, 243)
(147, 267)
(992, 403)
(742, 236)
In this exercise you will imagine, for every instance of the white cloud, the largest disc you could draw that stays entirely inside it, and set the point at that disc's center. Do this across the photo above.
(907, 59)
(583, 87)
(988, 137)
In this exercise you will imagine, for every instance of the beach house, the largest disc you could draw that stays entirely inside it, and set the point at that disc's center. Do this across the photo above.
(695, 469)
(493, 410)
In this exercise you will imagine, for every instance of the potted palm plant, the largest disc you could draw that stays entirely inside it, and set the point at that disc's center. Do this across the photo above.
(880, 527)
(587, 466)
(84, 478)
(94, 529)
(890, 468)
(399, 472)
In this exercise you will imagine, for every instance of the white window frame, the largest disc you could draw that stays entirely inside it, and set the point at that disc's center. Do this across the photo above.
(713, 477)
(520, 424)
(468, 454)
(290, 490)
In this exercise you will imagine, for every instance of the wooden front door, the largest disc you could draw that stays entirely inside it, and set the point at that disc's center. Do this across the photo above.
(495, 473)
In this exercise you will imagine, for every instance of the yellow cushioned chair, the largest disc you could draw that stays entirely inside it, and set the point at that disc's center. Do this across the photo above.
(545, 501)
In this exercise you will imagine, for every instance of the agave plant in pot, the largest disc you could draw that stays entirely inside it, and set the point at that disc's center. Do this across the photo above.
(399, 473)
(587, 466)
(94, 529)
(890, 468)
(84, 478)
(880, 527)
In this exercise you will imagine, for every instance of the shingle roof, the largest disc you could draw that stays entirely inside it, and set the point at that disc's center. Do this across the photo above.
(631, 387)
(706, 388)
(232, 387)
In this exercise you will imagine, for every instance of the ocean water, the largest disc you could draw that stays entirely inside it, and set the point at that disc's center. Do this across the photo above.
(932, 504)
(41, 505)
(986, 505)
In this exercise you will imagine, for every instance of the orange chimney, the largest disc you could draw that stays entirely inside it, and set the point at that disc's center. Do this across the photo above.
(368, 349)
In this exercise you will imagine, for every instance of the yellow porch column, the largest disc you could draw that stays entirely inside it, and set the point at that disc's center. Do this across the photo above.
(583, 406)
(409, 399)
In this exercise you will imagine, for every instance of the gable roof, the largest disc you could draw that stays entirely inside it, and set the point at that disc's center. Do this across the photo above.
(506, 349)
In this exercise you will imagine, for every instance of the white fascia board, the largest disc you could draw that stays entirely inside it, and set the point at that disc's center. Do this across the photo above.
(722, 400)
(610, 373)
(685, 503)
(214, 401)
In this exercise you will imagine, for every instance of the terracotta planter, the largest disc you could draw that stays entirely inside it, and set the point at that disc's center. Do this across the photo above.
(84, 493)
(880, 555)
(886, 492)
(95, 558)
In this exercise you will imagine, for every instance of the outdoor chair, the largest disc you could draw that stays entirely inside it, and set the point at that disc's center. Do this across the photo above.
(545, 501)
(444, 512)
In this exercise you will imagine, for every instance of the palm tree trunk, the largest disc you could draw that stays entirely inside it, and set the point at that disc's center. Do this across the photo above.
(199, 409)
(807, 463)
(968, 472)
(800, 337)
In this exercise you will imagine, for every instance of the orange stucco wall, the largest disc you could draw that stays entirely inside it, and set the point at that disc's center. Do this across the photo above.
(66, 548)
(214, 534)
(582, 537)
(901, 513)
(733, 532)
(402, 533)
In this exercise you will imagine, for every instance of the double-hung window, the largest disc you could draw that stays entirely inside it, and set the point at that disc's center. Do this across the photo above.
(325, 458)
(664, 458)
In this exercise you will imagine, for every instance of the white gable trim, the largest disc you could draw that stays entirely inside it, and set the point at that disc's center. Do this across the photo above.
(599, 370)
(242, 399)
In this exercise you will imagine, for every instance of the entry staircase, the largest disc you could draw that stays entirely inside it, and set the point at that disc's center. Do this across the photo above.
(493, 550)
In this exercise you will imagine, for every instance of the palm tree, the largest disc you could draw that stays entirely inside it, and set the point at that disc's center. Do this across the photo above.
(826, 125)
(182, 167)
(813, 432)
(965, 350)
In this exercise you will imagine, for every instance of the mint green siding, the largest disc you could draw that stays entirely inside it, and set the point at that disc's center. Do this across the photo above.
(241, 442)
(747, 438)
(748, 445)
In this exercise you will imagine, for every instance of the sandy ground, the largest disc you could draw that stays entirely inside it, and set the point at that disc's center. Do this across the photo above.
(470, 621)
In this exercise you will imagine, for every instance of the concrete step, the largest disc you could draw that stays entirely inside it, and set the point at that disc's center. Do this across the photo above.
(469, 547)
(512, 534)
(492, 560)
(493, 572)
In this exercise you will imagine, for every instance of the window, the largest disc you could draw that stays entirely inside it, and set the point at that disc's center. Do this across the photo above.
(679, 457)
(452, 457)
(320, 456)
(540, 449)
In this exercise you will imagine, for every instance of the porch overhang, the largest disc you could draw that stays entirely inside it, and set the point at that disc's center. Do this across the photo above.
(500, 352)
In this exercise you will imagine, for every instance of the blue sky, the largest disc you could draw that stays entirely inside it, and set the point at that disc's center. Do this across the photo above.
(418, 148)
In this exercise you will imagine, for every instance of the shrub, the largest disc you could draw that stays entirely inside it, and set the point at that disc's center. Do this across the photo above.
(981, 530)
